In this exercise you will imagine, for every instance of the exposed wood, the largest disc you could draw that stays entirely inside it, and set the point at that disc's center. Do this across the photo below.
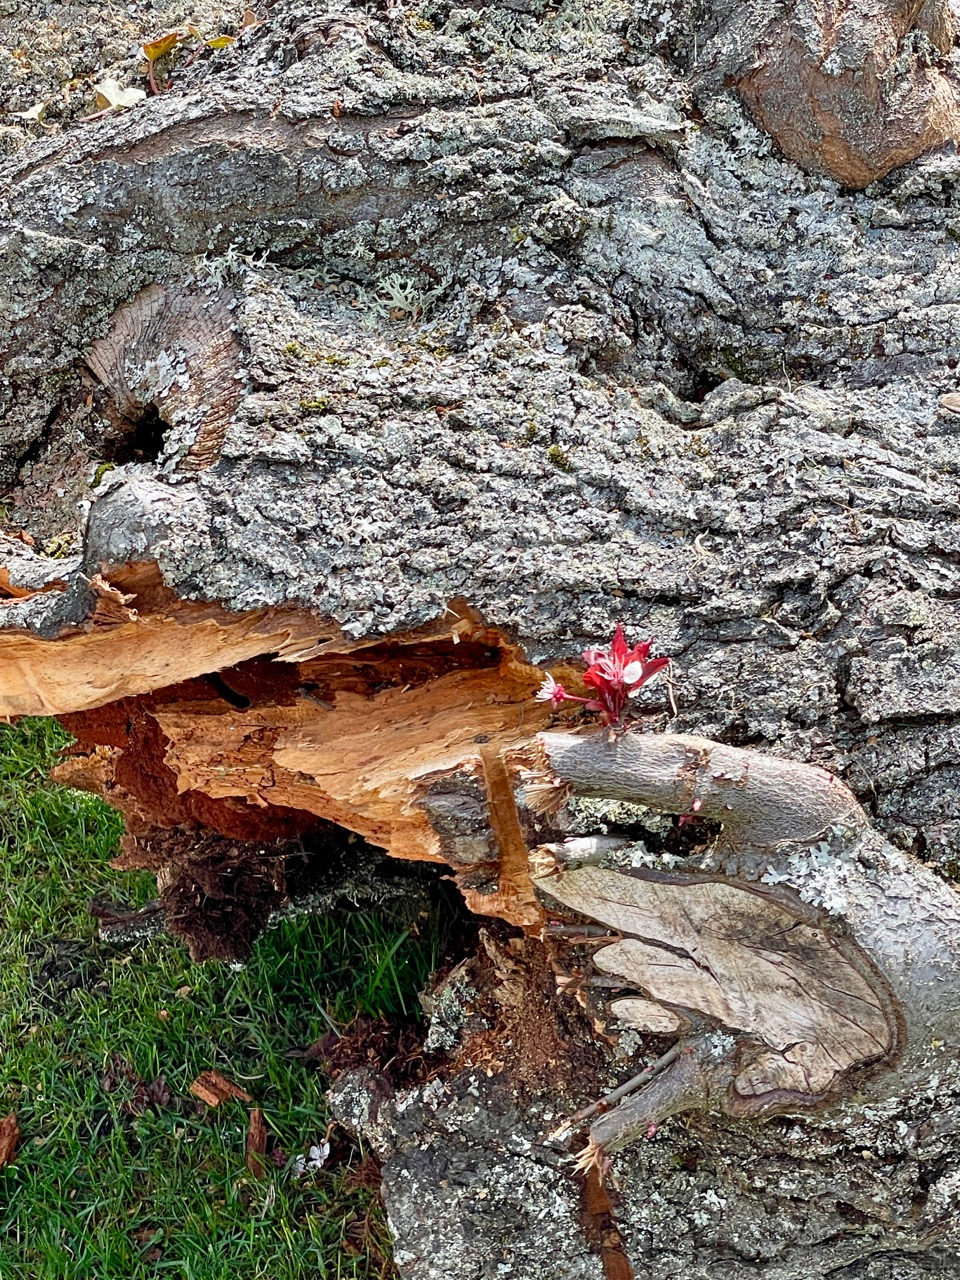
(114, 651)
(366, 736)
(174, 349)
(846, 91)
(645, 1015)
(749, 964)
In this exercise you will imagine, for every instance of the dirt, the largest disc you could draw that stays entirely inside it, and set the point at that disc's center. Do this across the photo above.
(542, 1045)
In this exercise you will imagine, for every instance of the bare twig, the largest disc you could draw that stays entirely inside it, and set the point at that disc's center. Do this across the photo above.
(611, 1099)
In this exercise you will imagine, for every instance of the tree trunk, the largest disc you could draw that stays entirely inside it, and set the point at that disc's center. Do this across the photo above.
(391, 357)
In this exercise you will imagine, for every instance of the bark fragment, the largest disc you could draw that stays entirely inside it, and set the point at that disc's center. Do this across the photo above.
(9, 1139)
(213, 1088)
(256, 1144)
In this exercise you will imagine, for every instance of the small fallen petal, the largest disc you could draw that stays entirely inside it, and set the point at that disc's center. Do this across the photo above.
(313, 1162)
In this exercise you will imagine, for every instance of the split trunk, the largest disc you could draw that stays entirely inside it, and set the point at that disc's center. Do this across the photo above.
(387, 360)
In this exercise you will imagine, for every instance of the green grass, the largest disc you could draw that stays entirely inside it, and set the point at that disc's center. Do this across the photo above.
(101, 1190)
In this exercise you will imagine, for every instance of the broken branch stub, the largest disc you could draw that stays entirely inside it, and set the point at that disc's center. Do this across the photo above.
(786, 1002)
(762, 801)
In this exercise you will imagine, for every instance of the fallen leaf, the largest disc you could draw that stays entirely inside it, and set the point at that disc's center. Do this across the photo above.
(141, 1095)
(111, 94)
(9, 1139)
(154, 49)
(34, 113)
(158, 1092)
(213, 1088)
(256, 1143)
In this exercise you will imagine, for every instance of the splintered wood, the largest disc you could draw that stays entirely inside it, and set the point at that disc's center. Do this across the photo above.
(746, 961)
(366, 735)
(358, 761)
(116, 651)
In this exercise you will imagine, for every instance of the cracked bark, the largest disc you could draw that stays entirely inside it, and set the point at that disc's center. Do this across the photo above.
(391, 358)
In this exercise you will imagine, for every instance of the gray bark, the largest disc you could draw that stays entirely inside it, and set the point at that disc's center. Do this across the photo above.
(383, 310)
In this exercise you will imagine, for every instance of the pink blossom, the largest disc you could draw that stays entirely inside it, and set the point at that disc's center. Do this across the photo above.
(619, 673)
(615, 674)
(550, 691)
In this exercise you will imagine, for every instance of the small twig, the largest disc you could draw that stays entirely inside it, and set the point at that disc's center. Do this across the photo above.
(592, 931)
(610, 1099)
(668, 681)
(195, 55)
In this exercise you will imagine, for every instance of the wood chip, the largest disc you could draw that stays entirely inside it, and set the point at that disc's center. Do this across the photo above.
(213, 1088)
(9, 1139)
(256, 1143)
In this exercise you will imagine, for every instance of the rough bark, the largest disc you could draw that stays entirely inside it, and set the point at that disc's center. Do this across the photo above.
(393, 355)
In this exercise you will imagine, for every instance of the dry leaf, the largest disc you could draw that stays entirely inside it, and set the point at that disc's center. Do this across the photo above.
(34, 113)
(155, 49)
(213, 1088)
(249, 19)
(111, 94)
(256, 1143)
(9, 1139)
